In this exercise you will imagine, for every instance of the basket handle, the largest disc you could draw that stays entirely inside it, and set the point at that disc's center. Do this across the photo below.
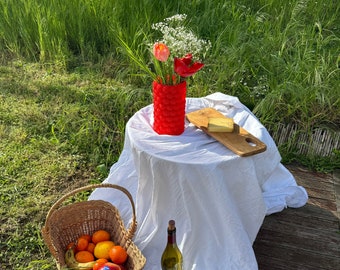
(133, 226)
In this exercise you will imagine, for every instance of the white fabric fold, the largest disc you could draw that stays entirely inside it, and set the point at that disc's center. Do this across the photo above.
(218, 199)
(279, 194)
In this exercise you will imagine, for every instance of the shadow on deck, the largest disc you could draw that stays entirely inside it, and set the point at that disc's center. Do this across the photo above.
(306, 237)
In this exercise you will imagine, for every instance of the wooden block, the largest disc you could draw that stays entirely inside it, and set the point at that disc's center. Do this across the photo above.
(240, 141)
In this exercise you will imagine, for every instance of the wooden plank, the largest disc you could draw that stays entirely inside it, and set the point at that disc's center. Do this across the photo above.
(321, 193)
(308, 216)
(320, 187)
(240, 141)
(271, 263)
(312, 179)
(326, 204)
(280, 257)
(322, 243)
(306, 237)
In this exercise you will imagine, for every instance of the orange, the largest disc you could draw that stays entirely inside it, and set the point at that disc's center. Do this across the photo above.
(84, 256)
(100, 235)
(82, 244)
(91, 247)
(101, 250)
(118, 254)
(99, 263)
(87, 237)
(102, 261)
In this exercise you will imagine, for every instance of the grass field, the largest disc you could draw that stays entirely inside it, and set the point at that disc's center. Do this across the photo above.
(67, 89)
(58, 132)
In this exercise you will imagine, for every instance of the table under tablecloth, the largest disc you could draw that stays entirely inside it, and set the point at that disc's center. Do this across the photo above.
(218, 199)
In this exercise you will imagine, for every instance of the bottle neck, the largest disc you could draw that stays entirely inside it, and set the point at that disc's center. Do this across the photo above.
(172, 237)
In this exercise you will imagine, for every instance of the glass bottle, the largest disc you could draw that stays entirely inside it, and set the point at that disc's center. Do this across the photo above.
(172, 258)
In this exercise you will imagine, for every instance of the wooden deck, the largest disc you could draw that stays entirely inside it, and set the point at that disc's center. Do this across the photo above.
(307, 237)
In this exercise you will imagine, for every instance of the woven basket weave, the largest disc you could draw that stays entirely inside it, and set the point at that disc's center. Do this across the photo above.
(64, 224)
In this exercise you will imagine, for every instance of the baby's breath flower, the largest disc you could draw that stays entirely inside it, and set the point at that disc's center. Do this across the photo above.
(176, 18)
(180, 39)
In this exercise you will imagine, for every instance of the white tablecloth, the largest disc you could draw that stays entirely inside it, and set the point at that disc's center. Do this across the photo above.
(218, 199)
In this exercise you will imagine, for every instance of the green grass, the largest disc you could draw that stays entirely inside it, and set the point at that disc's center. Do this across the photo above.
(58, 131)
(67, 89)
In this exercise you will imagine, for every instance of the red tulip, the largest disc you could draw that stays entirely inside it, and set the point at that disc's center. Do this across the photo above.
(161, 51)
(187, 59)
(184, 66)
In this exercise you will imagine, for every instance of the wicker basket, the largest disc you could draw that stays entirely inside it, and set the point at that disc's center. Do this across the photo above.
(64, 224)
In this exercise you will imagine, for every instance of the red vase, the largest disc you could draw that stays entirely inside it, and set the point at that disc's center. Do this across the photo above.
(169, 108)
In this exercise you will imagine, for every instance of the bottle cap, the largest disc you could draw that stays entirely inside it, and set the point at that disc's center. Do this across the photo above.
(171, 225)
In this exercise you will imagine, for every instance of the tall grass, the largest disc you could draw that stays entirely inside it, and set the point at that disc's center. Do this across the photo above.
(280, 58)
(306, 78)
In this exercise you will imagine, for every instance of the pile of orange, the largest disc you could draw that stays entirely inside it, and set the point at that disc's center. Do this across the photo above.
(98, 247)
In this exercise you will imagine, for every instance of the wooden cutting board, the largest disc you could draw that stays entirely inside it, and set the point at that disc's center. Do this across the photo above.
(240, 141)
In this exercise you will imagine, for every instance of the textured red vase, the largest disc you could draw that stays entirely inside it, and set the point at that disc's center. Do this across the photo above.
(169, 108)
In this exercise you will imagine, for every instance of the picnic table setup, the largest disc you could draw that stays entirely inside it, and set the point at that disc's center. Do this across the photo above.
(206, 163)
(218, 195)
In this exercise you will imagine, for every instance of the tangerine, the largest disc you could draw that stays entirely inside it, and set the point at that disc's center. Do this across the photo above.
(81, 244)
(99, 263)
(91, 247)
(100, 236)
(118, 254)
(84, 256)
(87, 237)
(102, 249)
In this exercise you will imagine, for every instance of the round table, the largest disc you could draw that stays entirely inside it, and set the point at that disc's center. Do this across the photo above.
(217, 198)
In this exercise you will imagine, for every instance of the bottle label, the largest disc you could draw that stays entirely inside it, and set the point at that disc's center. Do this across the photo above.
(171, 264)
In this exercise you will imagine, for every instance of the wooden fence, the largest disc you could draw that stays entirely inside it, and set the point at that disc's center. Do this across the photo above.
(316, 142)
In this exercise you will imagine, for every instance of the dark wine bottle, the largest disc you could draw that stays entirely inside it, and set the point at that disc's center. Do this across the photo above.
(172, 258)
